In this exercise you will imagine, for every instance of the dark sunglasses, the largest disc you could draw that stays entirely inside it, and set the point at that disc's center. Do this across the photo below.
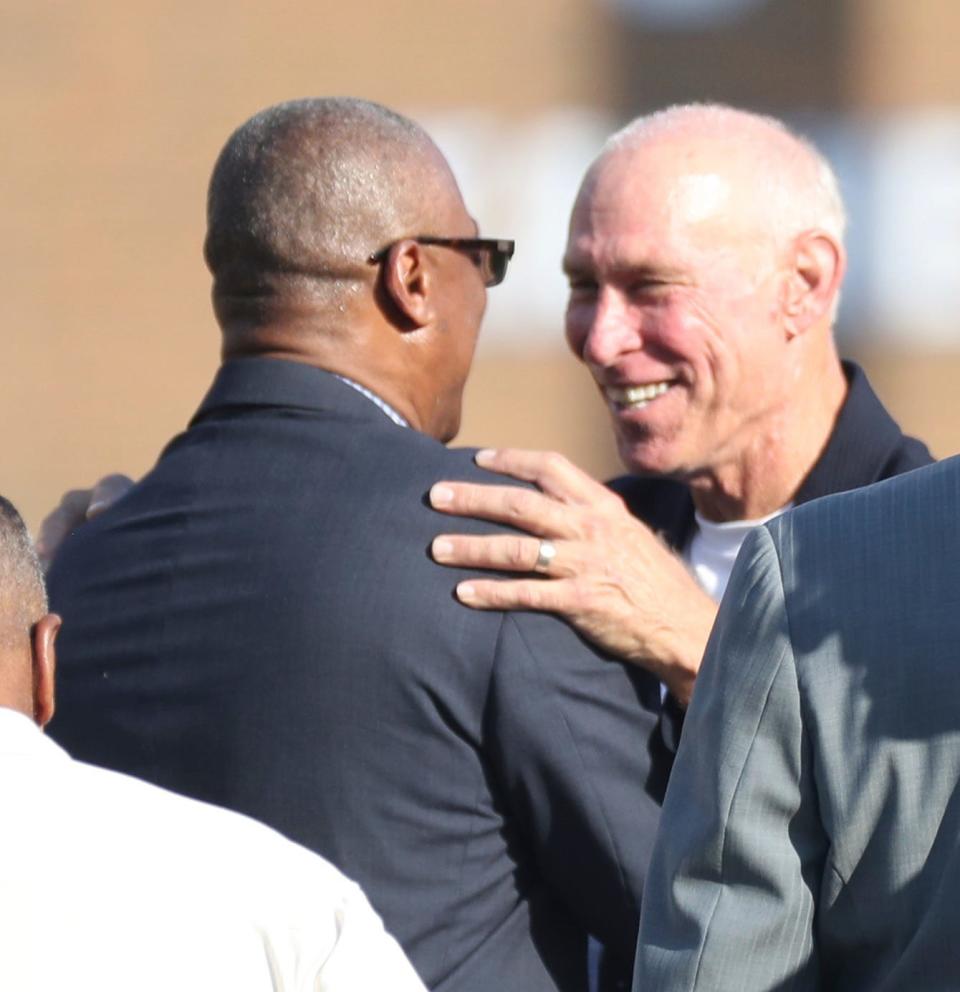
(489, 255)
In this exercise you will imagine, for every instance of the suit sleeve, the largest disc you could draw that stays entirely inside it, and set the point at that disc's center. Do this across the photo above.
(736, 869)
(570, 737)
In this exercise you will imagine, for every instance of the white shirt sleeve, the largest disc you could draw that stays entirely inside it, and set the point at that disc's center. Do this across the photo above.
(364, 956)
(326, 937)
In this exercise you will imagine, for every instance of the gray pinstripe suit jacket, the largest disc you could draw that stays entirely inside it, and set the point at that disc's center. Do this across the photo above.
(815, 842)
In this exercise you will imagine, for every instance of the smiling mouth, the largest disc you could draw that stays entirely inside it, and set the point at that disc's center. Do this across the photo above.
(635, 397)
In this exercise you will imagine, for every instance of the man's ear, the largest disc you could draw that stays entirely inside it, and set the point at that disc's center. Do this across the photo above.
(817, 265)
(408, 282)
(43, 641)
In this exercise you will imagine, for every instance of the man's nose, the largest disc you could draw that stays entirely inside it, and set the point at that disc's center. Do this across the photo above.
(612, 329)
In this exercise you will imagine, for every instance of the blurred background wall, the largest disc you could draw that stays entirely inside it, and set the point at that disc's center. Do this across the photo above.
(112, 114)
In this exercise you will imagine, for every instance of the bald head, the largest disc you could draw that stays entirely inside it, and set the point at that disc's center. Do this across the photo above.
(305, 191)
(785, 183)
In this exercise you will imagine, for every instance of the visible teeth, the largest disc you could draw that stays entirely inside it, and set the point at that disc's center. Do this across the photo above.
(637, 395)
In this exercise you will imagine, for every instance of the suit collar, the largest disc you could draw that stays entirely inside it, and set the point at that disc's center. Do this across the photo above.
(376, 400)
(277, 382)
(863, 440)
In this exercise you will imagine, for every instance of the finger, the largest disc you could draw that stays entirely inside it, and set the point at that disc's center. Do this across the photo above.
(52, 531)
(514, 594)
(503, 552)
(548, 470)
(106, 492)
(524, 509)
(60, 522)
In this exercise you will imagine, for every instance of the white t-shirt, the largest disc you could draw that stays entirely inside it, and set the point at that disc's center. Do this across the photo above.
(712, 551)
(714, 547)
(113, 885)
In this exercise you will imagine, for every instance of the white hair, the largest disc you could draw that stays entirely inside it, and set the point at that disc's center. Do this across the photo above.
(800, 187)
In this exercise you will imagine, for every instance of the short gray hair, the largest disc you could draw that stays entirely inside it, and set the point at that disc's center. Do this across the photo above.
(23, 595)
(308, 189)
(801, 186)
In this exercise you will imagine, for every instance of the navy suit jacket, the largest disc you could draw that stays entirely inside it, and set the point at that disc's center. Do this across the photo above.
(258, 624)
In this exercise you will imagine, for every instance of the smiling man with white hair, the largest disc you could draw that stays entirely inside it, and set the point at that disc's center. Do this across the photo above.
(705, 259)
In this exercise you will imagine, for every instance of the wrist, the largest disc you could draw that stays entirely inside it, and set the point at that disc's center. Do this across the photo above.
(681, 664)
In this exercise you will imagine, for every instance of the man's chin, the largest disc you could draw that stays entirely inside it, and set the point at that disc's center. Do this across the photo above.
(648, 458)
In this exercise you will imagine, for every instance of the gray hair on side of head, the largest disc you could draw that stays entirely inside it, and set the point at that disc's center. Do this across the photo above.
(23, 594)
(801, 187)
(307, 190)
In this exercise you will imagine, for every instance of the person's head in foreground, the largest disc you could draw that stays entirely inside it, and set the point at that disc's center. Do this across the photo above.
(27, 629)
(337, 236)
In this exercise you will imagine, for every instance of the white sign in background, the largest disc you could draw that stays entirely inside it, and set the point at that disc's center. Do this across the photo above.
(913, 280)
(519, 179)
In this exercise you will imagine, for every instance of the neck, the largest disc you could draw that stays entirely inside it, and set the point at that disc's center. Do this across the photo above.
(767, 473)
(357, 350)
(16, 683)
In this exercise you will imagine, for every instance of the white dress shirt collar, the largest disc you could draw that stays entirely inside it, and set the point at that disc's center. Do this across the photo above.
(397, 418)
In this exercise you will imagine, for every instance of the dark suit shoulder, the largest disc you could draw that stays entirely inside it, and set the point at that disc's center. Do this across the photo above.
(455, 464)
(414, 463)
